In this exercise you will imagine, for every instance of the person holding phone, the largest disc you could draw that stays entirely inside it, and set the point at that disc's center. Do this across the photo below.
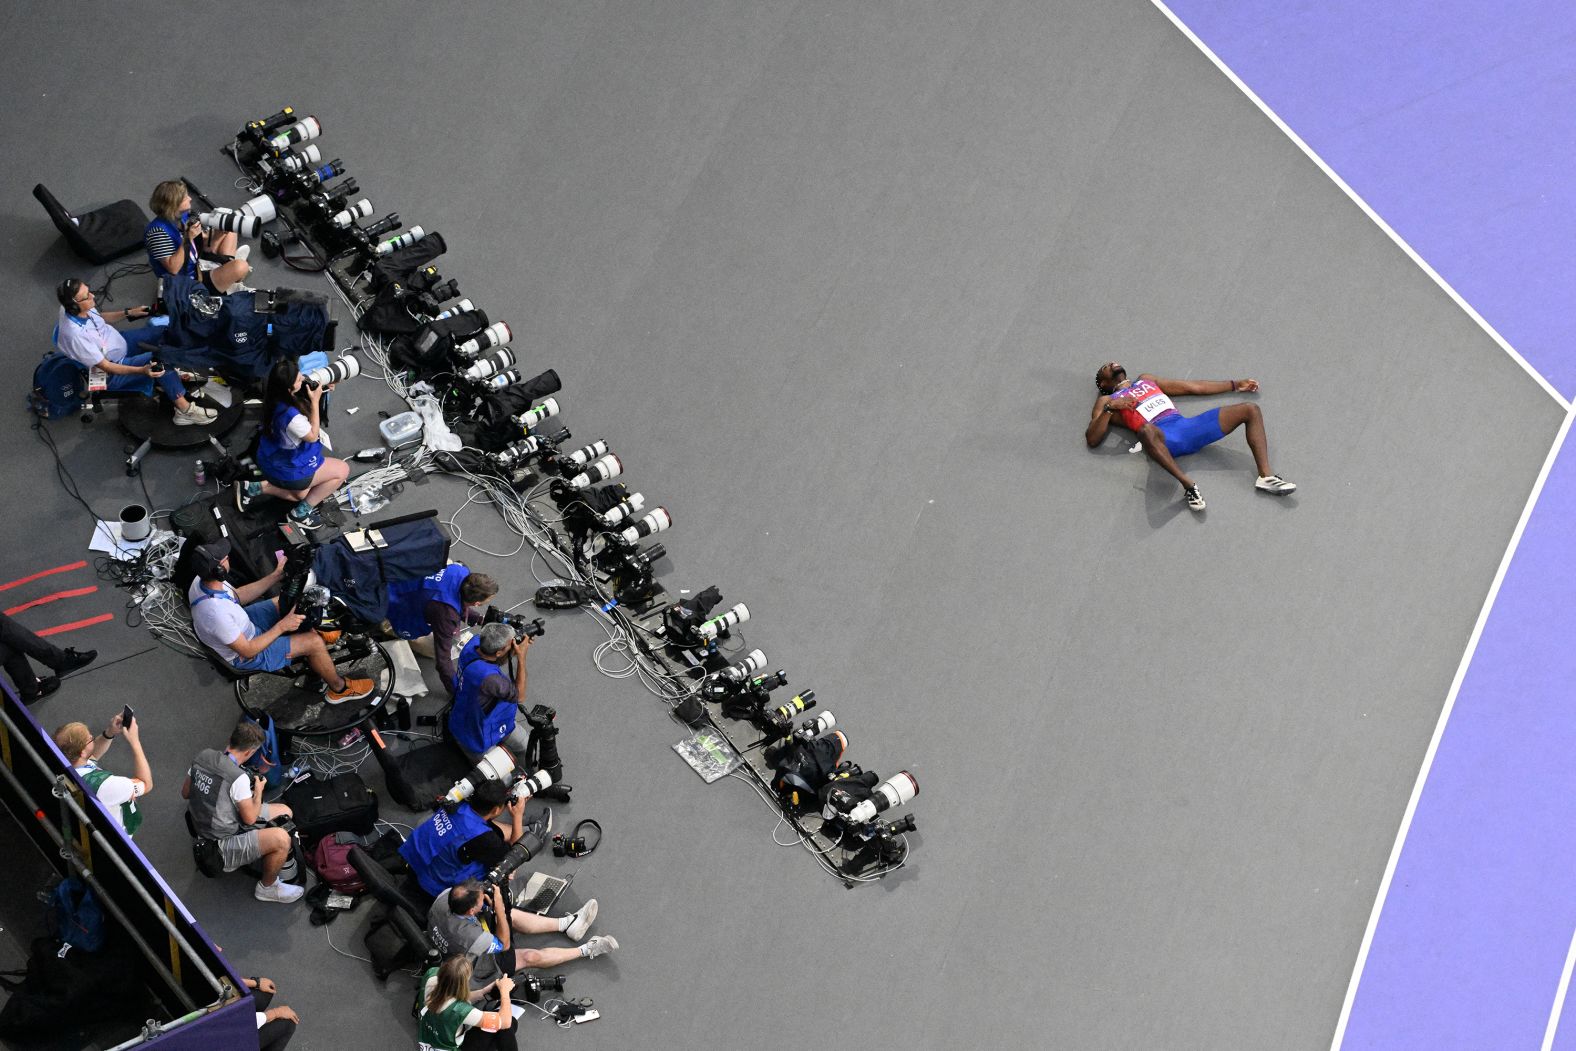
(83, 749)
(86, 337)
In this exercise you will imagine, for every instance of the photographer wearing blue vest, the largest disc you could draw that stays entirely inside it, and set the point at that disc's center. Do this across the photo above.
(461, 841)
(83, 749)
(226, 804)
(290, 447)
(486, 700)
(440, 605)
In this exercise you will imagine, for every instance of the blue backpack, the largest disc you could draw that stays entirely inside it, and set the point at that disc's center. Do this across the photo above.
(78, 916)
(265, 762)
(59, 387)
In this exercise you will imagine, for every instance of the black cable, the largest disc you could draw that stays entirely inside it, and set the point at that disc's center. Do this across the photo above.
(103, 295)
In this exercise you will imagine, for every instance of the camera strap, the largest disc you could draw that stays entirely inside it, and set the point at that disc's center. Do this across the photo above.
(576, 845)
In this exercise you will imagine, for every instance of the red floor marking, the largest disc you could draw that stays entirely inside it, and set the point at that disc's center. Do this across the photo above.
(74, 625)
(44, 573)
(73, 593)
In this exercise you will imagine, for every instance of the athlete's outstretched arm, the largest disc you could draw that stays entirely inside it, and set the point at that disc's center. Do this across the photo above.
(1099, 421)
(1178, 388)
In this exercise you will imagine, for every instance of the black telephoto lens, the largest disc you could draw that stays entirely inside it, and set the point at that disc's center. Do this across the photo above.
(446, 291)
(383, 225)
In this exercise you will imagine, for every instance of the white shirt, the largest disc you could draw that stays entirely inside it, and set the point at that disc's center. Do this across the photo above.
(88, 341)
(114, 791)
(219, 619)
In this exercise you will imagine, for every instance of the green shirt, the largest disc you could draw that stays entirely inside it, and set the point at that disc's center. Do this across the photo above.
(443, 1029)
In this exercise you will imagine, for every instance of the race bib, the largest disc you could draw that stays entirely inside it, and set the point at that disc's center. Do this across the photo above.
(1153, 406)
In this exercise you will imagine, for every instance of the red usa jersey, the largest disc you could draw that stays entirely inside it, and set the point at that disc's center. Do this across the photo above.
(1153, 404)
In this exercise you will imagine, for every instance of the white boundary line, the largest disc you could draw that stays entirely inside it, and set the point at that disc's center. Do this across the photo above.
(1559, 998)
(1411, 254)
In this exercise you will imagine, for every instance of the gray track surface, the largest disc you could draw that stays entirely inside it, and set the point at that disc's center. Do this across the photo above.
(835, 278)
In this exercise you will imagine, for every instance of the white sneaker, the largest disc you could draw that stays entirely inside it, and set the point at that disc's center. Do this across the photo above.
(601, 945)
(194, 416)
(1194, 498)
(242, 252)
(583, 920)
(282, 892)
(1274, 483)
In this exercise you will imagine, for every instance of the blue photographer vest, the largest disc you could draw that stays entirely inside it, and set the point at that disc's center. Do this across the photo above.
(472, 728)
(279, 463)
(176, 235)
(433, 850)
(408, 600)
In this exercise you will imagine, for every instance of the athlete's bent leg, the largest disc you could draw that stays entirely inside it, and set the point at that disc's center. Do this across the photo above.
(1245, 412)
(1154, 443)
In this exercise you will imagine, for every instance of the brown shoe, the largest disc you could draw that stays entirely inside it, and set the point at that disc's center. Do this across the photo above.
(354, 690)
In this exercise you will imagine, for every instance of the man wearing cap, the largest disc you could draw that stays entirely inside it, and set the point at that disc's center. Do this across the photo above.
(248, 630)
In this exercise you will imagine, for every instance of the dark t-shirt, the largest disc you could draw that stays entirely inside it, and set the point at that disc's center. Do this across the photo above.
(487, 848)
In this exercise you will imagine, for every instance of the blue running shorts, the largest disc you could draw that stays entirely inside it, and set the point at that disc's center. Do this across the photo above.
(1186, 435)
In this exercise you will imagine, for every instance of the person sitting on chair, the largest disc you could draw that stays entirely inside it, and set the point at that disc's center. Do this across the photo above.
(177, 243)
(17, 644)
(249, 632)
(290, 447)
(439, 605)
(461, 841)
(226, 804)
(85, 336)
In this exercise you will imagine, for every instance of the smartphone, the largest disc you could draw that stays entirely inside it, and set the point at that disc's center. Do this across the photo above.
(126, 716)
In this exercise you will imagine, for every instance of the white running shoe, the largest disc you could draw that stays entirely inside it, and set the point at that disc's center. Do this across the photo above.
(282, 892)
(584, 917)
(242, 252)
(1274, 483)
(194, 416)
(601, 945)
(1194, 498)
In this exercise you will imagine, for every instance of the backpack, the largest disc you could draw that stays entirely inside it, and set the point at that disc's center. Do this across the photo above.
(76, 915)
(331, 861)
(59, 387)
(265, 762)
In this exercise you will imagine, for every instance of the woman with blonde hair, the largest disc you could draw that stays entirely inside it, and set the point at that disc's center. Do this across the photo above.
(449, 1019)
(177, 243)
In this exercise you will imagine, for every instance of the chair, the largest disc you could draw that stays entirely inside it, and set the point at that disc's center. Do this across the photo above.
(291, 696)
(101, 235)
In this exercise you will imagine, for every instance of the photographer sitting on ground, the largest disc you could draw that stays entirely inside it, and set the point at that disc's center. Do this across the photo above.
(486, 700)
(449, 1019)
(176, 240)
(83, 749)
(462, 841)
(85, 336)
(226, 804)
(439, 606)
(290, 447)
(469, 919)
(248, 631)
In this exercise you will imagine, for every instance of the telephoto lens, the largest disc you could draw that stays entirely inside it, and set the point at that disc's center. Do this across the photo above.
(382, 226)
(527, 787)
(507, 379)
(601, 470)
(300, 131)
(344, 367)
(711, 628)
(893, 792)
(489, 365)
(655, 522)
(738, 672)
(514, 452)
(785, 714)
(324, 172)
(360, 210)
(266, 125)
(261, 206)
(444, 290)
(623, 509)
(537, 413)
(404, 240)
(334, 197)
(459, 308)
(495, 335)
(496, 765)
(302, 161)
(233, 222)
(581, 457)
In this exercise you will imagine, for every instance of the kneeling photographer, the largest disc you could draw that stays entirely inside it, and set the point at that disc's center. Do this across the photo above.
(486, 699)
(461, 841)
(290, 447)
(226, 804)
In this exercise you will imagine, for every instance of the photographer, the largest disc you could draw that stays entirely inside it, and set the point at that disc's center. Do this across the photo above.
(226, 804)
(85, 336)
(248, 630)
(449, 1019)
(440, 605)
(83, 749)
(462, 841)
(290, 447)
(17, 644)
(474, 918)
(275, 1025)
(178, 244)
(486, 700)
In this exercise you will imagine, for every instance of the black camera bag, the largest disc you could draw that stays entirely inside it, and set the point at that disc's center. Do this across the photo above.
(342, 803)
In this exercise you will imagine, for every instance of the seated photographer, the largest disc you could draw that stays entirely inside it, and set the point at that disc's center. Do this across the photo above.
(83, 749)
(276, 1024)
(17, 644)
(439, 606)
(226, 804)
(248, 630)
(178, 244)
(85, 336)
(290, 447)
(461, 841)
(449, 1019)
(467, 919)
(486, 700)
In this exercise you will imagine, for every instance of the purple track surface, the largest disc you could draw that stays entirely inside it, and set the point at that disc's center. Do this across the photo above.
(1450, 121)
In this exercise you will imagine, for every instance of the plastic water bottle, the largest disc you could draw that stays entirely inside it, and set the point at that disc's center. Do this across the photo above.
(199, 475)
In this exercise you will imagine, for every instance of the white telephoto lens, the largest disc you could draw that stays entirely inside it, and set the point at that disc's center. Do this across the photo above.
(360, 210)
(737, 615)
(745, 668)
(503, 379)
(581, 457)
(495, 335)
(537, 413)
(404, 240)
(609, 466)
(261, 206)
(655, 522)
(490, 364)
(625, 508)
(459, 308)
(893, 792)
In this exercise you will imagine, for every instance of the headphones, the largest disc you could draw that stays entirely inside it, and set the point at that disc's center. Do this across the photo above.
(576, 846)
(66, 293)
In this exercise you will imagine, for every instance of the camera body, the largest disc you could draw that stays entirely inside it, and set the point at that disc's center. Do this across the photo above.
(523, 628)
(540, 718)
(535, 986)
